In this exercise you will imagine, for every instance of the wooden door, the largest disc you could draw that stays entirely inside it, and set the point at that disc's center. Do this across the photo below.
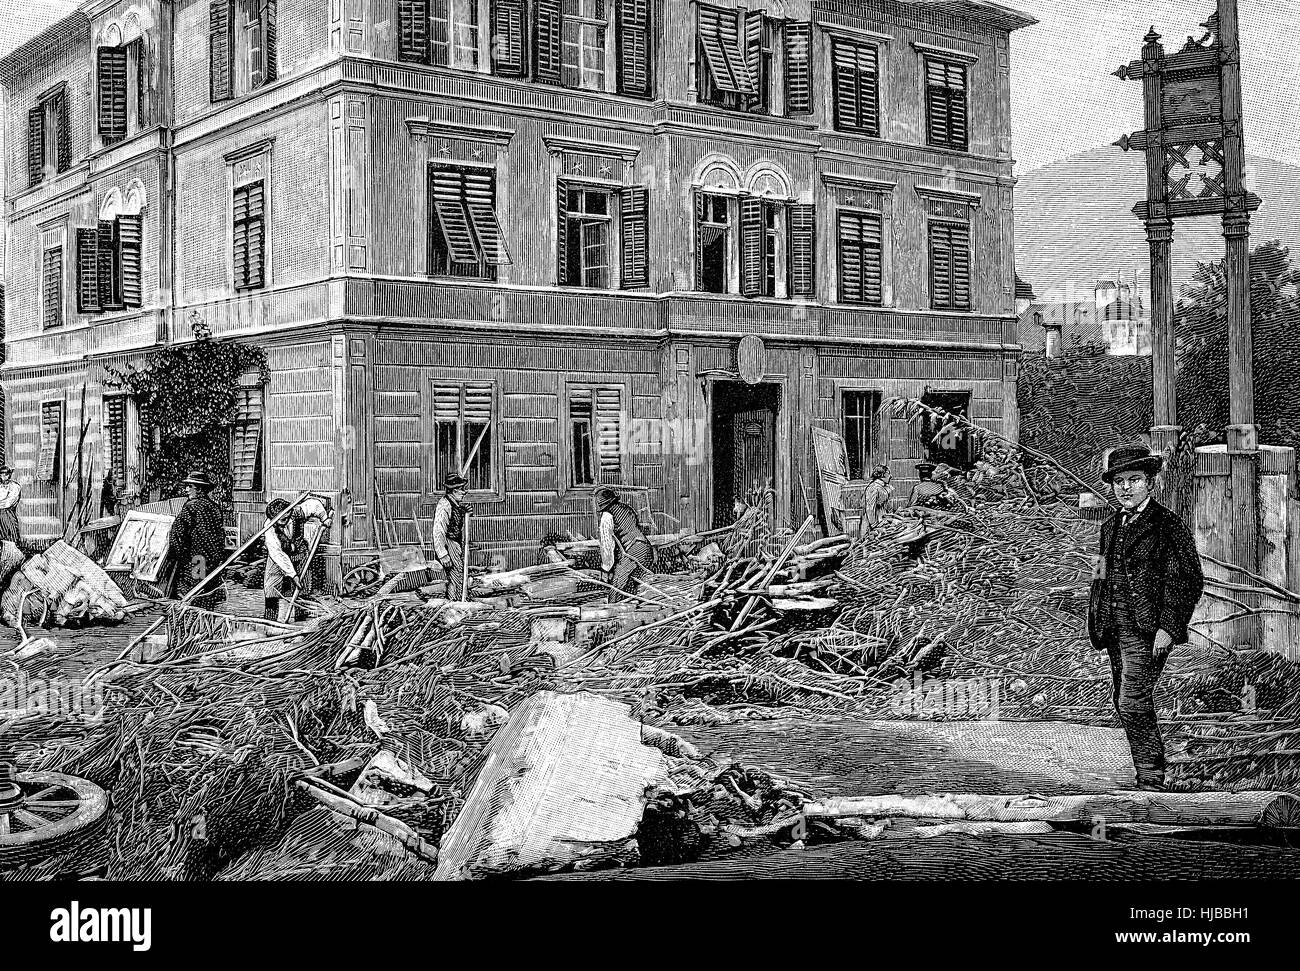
(755, 451)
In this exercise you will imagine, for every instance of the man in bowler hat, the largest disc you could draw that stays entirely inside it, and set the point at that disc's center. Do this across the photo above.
(1145, 587)
(197, 542)
(449, 533)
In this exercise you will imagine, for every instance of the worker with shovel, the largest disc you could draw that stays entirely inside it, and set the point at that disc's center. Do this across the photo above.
(625, 553)
(279, 577)
(449, 533)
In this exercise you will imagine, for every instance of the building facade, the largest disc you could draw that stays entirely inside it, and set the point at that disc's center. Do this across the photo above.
(553, 243)
(1111, 312)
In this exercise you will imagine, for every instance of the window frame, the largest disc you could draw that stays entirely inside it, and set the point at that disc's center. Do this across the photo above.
(430, 473)
(839, 263)
(877, 440)
(948, 61)
(605, 28)
(49, 238)
(879, 50)
(612, 220)
(970, 444)
(931, 223)
(768, 92)
(488, 271)
(569, 485)
(731, 240)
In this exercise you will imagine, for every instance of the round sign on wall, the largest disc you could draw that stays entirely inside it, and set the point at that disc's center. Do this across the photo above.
(751, 359)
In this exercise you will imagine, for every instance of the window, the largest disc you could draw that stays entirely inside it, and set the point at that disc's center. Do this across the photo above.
(732, 48)
(774, 256)
(950, 263)
(249, 249)
(446, 32)
(52, 287)
(462, 433)
(464, 235)
(47, 463)
(861, 258)
(856, 92)
(49, 141)
(595, 424)
(602, 236)
(947, 441)
(246, 435)
(861, 420)
(241, 47)
(798, 67)
(120, 103)
(763, 260)
(121, 428)
(712, 230)
(945, 104)
(584, 29)
(110, 264)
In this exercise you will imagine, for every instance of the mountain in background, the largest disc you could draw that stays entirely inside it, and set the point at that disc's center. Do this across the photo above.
(1075, 222)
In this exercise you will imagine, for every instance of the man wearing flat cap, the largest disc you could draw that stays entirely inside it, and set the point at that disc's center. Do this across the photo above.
(449, 533)
(1145, 587)
(625, 553)
(197, 543)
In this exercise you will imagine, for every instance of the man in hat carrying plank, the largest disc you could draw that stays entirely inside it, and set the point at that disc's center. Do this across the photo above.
(449, 533)
(1145, 587)
(625, 553)
(197, 542)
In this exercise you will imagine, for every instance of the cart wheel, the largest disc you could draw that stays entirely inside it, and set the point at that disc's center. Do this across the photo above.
(43, 813)
(361, 580)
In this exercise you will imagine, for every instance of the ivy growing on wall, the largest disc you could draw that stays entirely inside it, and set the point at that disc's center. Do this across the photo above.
(187, 397)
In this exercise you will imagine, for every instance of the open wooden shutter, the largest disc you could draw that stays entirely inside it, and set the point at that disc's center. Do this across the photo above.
(114, 433)
(47, 463)
(110, 279)
(141, 80)
(634, 47)
(751, 246)
(413, 31)
(940, 267)
(723, 40)
(447, 187)
(88, 271)
(754, 23)
(36, 145)
(131, 255)
(480, 194)
(110, 80)
(62, 133)
(270, 63)
(798, 67)
(220, 30)
(52, 287)
(699, 240)
(634, 216)
(508, 19)
(609, 417)
(961, 267)
(440, 38)
(246, 441)
(547, 33)
(803, 245)
(561, 232)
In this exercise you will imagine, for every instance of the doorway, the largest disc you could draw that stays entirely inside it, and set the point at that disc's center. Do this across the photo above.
(743, 433)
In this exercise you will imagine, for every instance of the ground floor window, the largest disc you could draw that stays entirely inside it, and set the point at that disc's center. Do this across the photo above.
(463, 417)
(861, 423)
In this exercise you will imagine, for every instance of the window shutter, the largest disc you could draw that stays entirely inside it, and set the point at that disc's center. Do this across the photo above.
(62, 133)
(51, 432)
(221, 76)
(751, 246)
(479, 197)
(634, 47)
(110, 280)
(798, 67)
(957, 127)
(110, 79)
(844, 66)
(508, 18)
(725, 50)
(753, 41)
(699, 240)
(88, 271)
(546, 42)
(946, 104)
(114, 427)
(961, 267)
(634, 214)
(447, 189)
(561, 232)
(413, 31)
(270, 65)
(940, 267)
(141, 81)
(52, 287)
(246, 442)
(609, 417)
(249, 223)
(131, 246)
(36, 145)
(802, 250)
(857, 87)
(478, 406)
(446, 403)
(439, 33)
(861, 237)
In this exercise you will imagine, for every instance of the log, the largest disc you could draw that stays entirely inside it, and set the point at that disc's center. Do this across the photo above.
(840, 543)
(1265, 809)
(982, 829)
(370, 816)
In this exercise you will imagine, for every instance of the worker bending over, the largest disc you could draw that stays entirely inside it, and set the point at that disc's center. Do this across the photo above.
(280, 577)
(625, 553)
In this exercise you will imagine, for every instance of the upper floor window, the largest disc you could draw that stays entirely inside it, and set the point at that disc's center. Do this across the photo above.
(49, 141)
(601, 235)
(443, 32)
(736, 61)
(119, 82)
(109, 265)
(52, 286)
(754, 246)
(861, 258)
(249, 245)
(945, 104)
(950, 266)
(242, 46)
(857, 87)
(464, 235)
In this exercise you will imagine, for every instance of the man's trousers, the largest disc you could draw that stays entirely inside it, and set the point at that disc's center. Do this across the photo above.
(1135, 671)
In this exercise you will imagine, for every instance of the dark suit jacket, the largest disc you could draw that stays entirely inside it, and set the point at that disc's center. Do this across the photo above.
(1159, 555)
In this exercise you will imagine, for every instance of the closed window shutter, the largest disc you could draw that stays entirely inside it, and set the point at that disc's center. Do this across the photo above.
(946, 104)
(798, 67)
(110, 277)
(547, 40)
(88, 271)
(51, 433)
(114, 426)
(860, 258)
(141, 81)
(634, 47)
(439, 32)
(857, 87)
(221, 75)
(609, 418)
(413, 31)
(803, 257)
(246, 442)
(131, 250)
(961, 267)
(52, 287)
(751, 246)
(271, 69)
(249, 236)
(957, 106)
(754, 22)
(36, 145)
(634, 215)
(479, 197)
(110, 78)
(62, 133)
(508, 18)
(561, 232)
(940, 267)
(699, 240)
